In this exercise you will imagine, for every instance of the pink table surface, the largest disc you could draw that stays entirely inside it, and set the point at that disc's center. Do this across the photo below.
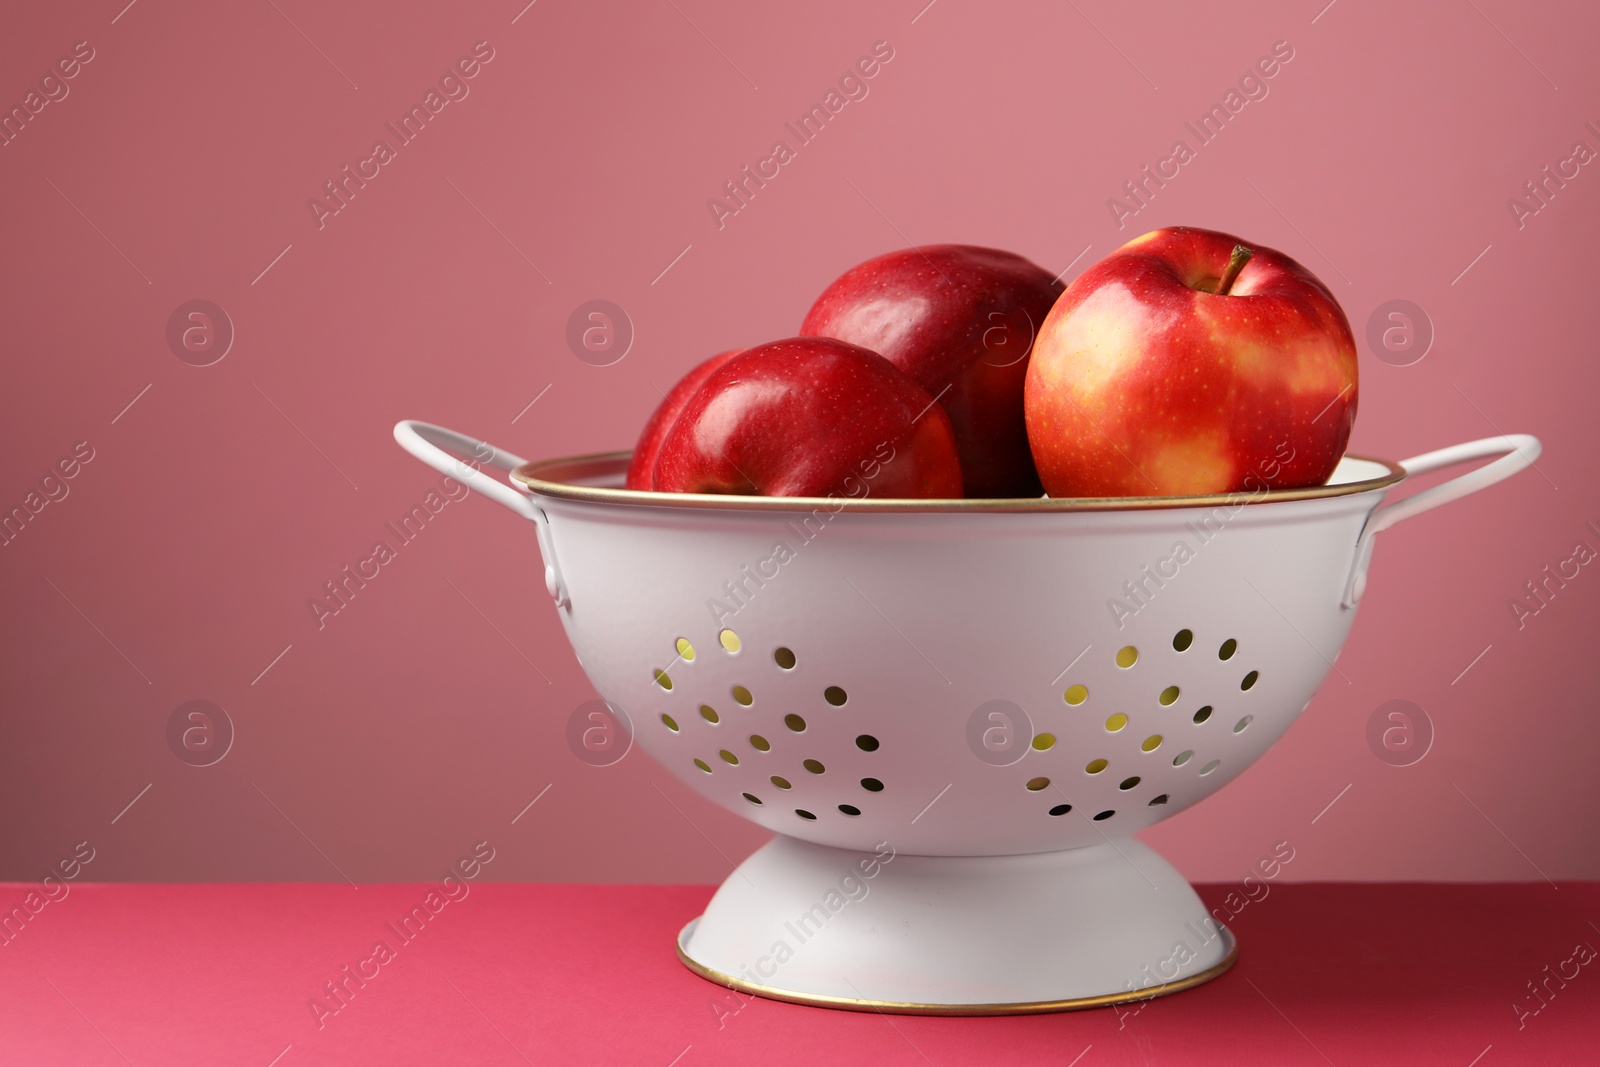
(540, 974)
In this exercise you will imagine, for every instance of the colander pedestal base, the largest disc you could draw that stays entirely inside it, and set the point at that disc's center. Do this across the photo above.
(956, 935)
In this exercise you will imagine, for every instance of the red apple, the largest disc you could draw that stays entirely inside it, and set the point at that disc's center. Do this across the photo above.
(810, 416)
(959, 321)
(1186, 362)
(641, 468)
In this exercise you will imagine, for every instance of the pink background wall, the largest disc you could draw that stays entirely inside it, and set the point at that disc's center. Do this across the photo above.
(179, 566)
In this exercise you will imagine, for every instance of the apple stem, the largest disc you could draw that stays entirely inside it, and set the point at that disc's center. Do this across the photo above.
(1241, 256)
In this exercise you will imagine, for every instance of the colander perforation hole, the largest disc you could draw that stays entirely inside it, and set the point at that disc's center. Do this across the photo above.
(1208, 768)
(781, 782)
(1239, 727)
(1202, 715)
(729, 758)
(835, 696)
(1036, 784)
(1229, 647)
(814, 766)
(1183, 757)
(752, 798)
(784, 658)
(872, 785)
(850, 810)
(1096, 766)
(1044, 742)
(867, 743)
(1104, 815)
(662, 680)
(1060, 810)
(1182, 640)
(1169, 696)
(1127, 656)
(709, 714)
(1116, 723)
(804, 814)
(702, 764)
(1075, 694)
(729, 641)
(1128, 783)
(795, 723)
(742, 695)
(1250, 679)
(1151, 743)
(1157, 801)
(685, 649)
(759, 743)
(670, 723)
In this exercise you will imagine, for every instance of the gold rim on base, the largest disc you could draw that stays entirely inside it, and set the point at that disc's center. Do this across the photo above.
(571, 478)
(894, 1007)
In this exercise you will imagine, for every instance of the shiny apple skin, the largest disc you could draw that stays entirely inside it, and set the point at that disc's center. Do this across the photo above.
(810, 416)
(1142, 384)
(959, 320)
(642, 465)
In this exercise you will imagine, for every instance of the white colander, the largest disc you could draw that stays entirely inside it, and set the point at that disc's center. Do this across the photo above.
(955, 714)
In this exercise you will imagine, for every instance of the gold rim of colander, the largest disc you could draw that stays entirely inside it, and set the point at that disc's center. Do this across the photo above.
(558, 478)
(895, 1007)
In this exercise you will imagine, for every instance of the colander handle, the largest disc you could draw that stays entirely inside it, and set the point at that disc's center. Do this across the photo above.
(1517, 452)
(459, 456)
